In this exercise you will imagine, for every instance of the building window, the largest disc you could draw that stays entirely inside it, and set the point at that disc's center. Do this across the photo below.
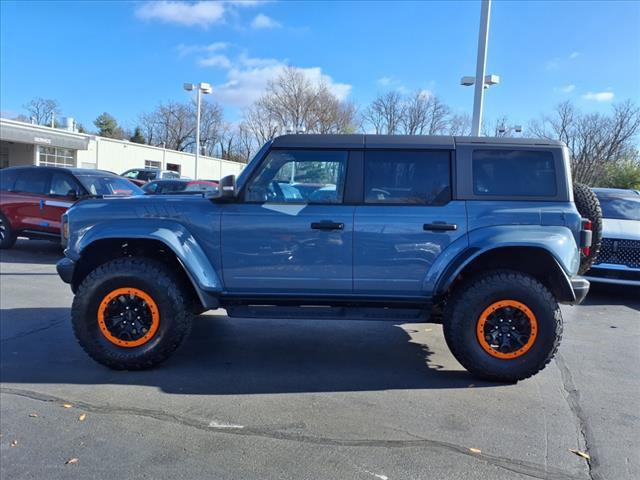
(152, 164)
(57, 157)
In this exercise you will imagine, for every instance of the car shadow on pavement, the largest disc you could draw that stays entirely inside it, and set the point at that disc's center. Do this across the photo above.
(227, 356)
(609, 294)
(35, 252)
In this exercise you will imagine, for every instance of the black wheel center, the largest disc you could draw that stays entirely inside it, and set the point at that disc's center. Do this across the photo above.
(507, 329)
(128, 317)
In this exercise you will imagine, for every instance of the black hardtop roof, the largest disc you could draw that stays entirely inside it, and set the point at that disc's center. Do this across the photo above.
(400, 141)
(72, 170)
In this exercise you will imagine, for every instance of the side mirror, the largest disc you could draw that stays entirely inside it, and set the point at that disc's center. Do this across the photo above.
(227, 187)
(72, 194)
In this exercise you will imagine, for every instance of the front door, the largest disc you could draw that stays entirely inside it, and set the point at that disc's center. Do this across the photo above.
(59, 198)
(290, 231)
(407, 219)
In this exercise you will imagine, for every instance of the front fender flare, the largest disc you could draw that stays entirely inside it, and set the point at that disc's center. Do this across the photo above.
(171, 233)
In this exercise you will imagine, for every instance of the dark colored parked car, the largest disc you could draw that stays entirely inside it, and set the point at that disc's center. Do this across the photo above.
(158, 187)
(32, 199)
(143, 175)
(479, 234)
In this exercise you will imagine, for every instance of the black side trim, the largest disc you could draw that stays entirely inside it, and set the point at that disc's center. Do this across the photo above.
(65, 269)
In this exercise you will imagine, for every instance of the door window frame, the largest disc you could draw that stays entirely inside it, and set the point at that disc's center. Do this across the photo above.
(243, 191)
(452, 176)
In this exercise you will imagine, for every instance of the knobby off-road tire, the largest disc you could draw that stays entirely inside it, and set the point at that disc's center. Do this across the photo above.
(588, 206)
(467, 306)
(7, 235)
(158, 294)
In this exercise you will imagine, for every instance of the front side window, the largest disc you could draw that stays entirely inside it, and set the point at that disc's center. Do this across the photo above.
(62, 184)
(407, 177)
(514, 173)
(299, 176)
(32, 181)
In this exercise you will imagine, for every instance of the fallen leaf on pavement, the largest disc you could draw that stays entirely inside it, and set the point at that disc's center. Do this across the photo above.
(33, 415)
(14, 443)
(428, 329)
(67, 405)
(475, 450)
(82, 417)
(580, 453)
(71, 461)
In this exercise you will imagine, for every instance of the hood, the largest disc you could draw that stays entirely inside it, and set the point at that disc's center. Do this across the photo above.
(622, 229)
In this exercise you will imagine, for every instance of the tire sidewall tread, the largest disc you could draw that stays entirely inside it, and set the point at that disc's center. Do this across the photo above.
(156, 280)
(468, 302)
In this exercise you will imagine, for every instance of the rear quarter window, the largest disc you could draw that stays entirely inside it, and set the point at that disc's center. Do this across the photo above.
(514, 173)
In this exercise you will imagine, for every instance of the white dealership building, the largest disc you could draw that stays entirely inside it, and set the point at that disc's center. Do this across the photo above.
(27, 144)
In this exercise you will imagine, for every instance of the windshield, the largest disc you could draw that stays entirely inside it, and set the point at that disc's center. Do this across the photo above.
(108, 185)
(620, 208)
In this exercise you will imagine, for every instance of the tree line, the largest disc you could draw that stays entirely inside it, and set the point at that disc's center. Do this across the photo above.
(603, 147)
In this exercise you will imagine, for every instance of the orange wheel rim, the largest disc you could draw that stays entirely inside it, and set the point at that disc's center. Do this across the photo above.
(507, 329)
(128, 317)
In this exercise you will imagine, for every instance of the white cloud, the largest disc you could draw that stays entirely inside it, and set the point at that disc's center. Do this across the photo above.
(184, 50)
(200, 13)
(384, 81)
(190, 13)
(557, 62)
(262, 21)
(248, 78)
(565, 88)
(599, 96)
(220, 61)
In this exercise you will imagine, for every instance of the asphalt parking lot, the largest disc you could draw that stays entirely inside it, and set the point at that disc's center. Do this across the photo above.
(257, 399)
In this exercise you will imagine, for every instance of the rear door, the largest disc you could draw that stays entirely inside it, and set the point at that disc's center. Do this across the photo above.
(29, 194)
(407, 219)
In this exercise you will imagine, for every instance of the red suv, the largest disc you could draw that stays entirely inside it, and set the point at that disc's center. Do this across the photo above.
(32, 199)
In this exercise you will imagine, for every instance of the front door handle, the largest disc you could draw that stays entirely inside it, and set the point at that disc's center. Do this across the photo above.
(327, 225)
(439, 227)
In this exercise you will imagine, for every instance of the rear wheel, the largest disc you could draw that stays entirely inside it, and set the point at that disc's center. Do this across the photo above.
(130, 314)
(503, 326)
(7, 235)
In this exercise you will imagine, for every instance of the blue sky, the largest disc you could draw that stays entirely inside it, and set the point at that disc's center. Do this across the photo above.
(126, 57)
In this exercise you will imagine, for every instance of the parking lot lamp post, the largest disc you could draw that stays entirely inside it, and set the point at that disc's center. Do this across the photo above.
(200, 89)
(481, 65)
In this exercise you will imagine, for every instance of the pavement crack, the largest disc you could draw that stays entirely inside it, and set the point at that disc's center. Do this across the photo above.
(522, 467)
(572, 398)
(52, 323)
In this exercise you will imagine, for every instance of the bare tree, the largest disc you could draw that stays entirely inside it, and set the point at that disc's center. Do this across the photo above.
(500, 127)
(212, 127)
(459, 125)
(594, 140)
(42, 110)
(262, 125)
(386, 113)
(245, 144)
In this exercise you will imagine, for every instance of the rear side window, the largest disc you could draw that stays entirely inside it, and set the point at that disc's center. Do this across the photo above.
(514, 173)
(7, 179)
(401, 177)
(32, 181)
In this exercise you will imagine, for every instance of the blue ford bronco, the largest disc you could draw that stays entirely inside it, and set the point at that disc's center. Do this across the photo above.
(481, 235)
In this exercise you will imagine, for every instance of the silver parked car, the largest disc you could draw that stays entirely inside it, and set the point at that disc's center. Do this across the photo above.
(619, 258)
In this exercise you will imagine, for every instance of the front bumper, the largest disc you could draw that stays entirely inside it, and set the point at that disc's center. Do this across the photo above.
(580, 287)
(65, 269)
(614, 273)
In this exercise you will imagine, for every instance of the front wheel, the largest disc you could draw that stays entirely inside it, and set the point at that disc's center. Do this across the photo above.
(503, 326)
(130, 314)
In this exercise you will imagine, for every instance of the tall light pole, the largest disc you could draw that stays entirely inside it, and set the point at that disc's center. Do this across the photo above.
(481, 65)
(200, 89)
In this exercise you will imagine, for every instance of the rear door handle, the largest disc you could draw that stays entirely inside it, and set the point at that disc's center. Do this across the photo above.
(439, 227)
(327, 225)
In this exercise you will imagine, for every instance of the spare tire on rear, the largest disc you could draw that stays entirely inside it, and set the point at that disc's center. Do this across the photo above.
(588, 206)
